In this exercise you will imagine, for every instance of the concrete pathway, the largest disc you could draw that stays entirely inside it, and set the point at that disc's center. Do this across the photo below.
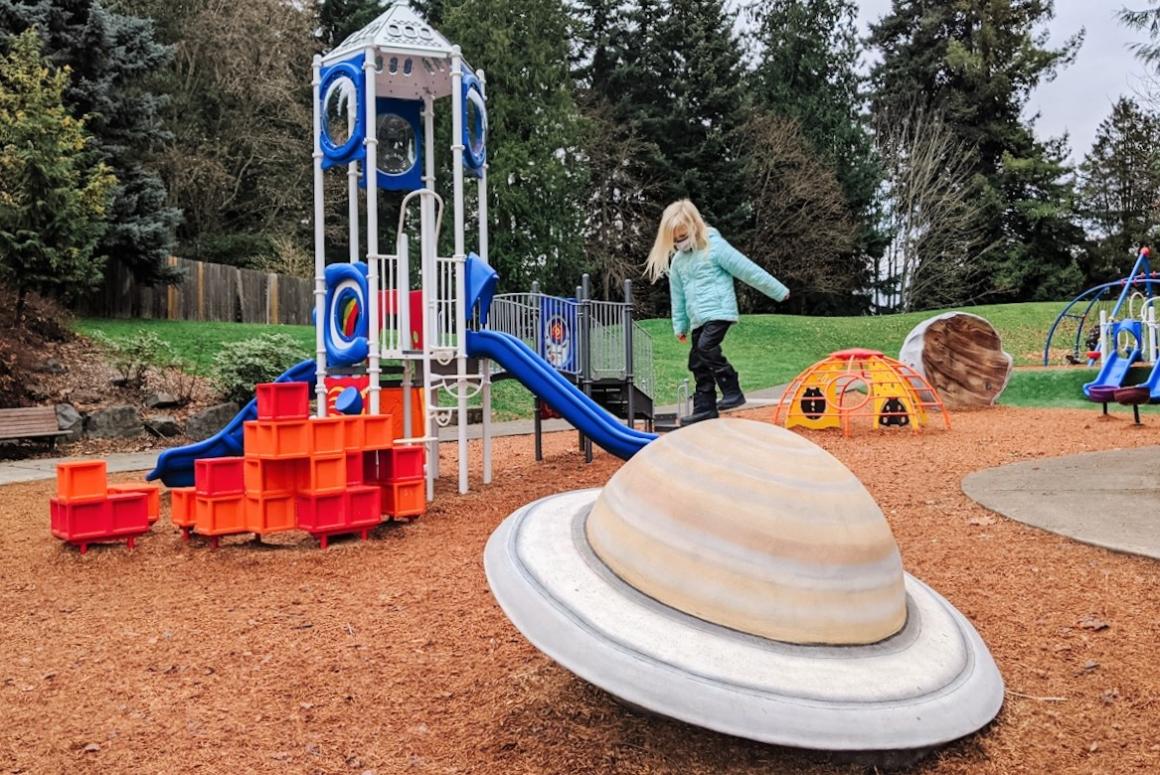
(1110, 499)
(45, 468)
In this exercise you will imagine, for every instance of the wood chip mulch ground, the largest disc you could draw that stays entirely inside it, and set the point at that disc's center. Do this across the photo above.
(391, 655)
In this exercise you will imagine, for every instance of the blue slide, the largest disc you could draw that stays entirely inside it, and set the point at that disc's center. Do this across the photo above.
(1115, 367)
(538, 376)
(175, 466)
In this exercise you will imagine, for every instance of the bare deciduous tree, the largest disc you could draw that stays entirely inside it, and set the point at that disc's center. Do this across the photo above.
(802, 229)
(933, 212)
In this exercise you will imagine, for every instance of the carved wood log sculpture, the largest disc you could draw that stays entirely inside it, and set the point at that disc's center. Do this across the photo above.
(962, 356)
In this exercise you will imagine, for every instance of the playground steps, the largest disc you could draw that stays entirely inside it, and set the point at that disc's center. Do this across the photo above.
(612, 395)
(86, 510)
(327, 476)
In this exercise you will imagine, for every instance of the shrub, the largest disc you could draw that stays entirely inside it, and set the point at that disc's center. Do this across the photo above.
(178, 380)
(133, 356)
(239, 366)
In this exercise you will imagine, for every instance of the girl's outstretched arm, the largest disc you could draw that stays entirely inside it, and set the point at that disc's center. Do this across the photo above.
(741, 267)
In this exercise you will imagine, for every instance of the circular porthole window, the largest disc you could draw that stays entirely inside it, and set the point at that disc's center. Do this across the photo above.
(339, 115)
(474, 129)
(396, 144)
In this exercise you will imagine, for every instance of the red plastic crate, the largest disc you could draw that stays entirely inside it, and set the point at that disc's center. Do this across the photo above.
(364, 506)
(220, 516)
(182, 506)
(270, 514)
(83, 480)
(401, 463)
(276, 439)
(326, 435)
(325, 474)
(319, 513)
(355, 468)
(152, 491)
(283, 401)
(353, 433)
(218, 477)
(81, 521)
(128, 514)
(378, 432)
(272, 477)
(404, 499)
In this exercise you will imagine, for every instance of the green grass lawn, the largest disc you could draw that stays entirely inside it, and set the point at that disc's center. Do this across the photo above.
(766, 349)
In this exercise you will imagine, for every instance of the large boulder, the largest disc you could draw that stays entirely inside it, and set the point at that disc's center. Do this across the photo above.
(209, 421)
(70, 420)
(114, 422)
(162, 425)
(961, 356)
(159, 399)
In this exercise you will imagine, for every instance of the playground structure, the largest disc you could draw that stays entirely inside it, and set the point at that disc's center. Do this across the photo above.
(1125, 335)
(858, 385)
(595, 344)
(408, 310)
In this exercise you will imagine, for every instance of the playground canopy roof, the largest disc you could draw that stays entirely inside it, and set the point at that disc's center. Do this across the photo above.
(422, 65)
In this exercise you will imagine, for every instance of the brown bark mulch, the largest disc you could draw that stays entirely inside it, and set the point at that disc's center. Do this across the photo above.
(391, 655)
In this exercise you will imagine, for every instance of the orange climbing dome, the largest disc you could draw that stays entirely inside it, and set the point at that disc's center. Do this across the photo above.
(857, 385)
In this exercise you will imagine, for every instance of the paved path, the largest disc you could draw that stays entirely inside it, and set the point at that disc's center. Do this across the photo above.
(1110, 499)
(45, 468)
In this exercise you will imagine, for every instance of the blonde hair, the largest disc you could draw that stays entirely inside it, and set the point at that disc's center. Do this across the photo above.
(679, 213)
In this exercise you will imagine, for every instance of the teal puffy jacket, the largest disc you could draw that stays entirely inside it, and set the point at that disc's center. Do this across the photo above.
(701, 283)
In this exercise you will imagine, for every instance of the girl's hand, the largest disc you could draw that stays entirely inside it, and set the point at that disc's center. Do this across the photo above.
(682, 338)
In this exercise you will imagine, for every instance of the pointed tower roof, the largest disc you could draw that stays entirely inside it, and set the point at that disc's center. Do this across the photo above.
(398, 29)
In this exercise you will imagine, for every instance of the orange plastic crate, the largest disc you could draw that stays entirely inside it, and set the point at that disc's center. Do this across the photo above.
(270, 514)
(401, 463)
(83, 480)
(182, 507)
(325, 474)
(220, 516)
(353, 434)
(364, 506)
(326, 435)
(152, 491)
(404, 499)
(378, 432)
(272, 477)
(277, 440)
(325, 512)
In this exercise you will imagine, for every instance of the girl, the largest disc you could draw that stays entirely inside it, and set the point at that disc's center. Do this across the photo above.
(701, 266)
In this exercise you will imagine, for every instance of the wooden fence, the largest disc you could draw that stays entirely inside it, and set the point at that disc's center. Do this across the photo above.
(208, 292)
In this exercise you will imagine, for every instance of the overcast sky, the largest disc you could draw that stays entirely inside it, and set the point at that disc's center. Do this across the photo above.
(1081, 95)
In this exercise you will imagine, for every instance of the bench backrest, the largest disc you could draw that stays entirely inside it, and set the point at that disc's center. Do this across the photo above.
(15, 423)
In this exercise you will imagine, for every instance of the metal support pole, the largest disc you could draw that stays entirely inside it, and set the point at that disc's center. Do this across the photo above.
(537, 425)
(459, 256)
(319, 248)
(586, 289)
(578, 336)
(372, 168)
(628, 378)
(484, 369)
(430, 427)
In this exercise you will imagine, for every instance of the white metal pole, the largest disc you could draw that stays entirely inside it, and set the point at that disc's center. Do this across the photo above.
(319, 248)
(372, 168)
(460, 282)
(352, 212)
(1152, 333)
(1104, 350)
(430, 427)
(484, 368)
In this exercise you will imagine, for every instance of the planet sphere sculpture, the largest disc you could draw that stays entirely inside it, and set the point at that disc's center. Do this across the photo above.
(961, 356)
(736, 576)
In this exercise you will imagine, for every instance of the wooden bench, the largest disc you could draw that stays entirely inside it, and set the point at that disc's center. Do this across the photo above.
(34, 422)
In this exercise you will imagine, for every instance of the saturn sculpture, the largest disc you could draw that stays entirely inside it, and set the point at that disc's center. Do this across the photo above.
(736, 576)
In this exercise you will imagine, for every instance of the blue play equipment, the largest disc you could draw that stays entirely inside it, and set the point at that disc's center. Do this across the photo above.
(175, 466)
(1116, 364)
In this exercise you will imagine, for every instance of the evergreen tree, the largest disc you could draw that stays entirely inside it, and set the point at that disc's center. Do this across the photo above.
(808, 71)
(339, 19)
(110, 58)
(975, 62)
(54, 190)
(535, 181)
(1146, 20)
(1119, 186)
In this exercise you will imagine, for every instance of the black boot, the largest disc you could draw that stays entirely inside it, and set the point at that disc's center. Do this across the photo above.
(704, 408)
(731, 395)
